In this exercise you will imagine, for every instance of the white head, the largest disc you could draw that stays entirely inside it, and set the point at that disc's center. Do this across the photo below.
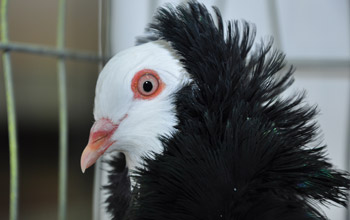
(134, 103)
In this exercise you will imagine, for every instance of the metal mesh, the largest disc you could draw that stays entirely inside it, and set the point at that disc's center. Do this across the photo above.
(62, 54)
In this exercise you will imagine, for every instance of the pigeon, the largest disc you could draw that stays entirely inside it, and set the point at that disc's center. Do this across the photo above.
(198, 126)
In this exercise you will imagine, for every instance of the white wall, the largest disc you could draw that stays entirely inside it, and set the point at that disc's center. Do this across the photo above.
(329, 88)
(313, 30)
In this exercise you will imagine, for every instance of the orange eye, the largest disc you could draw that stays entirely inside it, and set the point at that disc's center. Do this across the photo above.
(146, 84)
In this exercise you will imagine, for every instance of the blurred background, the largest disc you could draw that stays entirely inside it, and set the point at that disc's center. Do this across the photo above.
(314, 34)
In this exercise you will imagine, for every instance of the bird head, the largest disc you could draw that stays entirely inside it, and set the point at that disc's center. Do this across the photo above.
(133, 103)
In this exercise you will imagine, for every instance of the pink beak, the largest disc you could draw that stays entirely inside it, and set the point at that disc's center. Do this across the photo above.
(99, 142)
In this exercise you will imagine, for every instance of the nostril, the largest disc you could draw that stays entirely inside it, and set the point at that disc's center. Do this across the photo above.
(101, 129)
(103, 125)
(99, 138)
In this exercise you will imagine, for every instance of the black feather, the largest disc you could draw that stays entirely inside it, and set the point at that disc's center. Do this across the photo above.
(241, 151)
(119, 190)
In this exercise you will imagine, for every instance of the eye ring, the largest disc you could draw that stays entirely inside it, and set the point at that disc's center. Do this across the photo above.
(146, 84)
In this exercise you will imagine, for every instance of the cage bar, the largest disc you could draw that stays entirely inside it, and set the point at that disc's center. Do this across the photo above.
(50, 51)
(63, 119)
(11, 116)
(348, 140)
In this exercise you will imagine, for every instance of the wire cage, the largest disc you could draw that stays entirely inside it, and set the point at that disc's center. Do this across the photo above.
(115, 30)
(62, 55)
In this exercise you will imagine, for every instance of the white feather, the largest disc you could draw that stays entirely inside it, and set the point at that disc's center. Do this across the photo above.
(138, 133)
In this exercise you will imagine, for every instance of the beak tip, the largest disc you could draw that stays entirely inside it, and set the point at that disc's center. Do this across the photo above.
(83, 163)
(88, 158)
(83, 168)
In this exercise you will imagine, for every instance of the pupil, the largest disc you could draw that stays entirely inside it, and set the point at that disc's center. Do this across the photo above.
(147, 86)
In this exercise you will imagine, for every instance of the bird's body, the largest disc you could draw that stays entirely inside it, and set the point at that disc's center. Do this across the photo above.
(199, 116)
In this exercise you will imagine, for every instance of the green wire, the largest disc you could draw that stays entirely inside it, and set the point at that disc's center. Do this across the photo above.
(11, 116)
(63, 119)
